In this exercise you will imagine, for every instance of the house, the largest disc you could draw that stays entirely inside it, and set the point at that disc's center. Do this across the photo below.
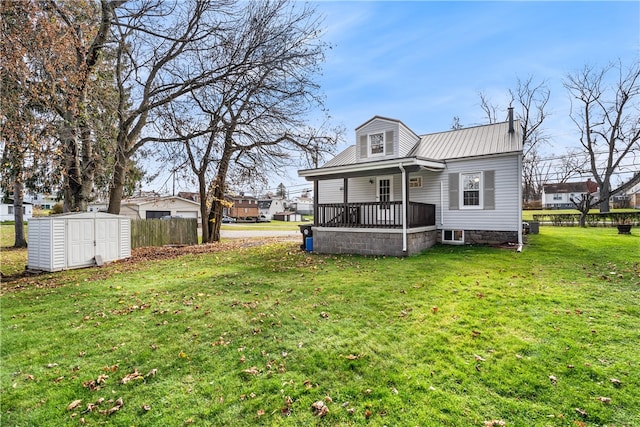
(559, 195)
(269, 207)
(7, 211)
(634, 196)
(41, 200)
(155, 207)
(397, 193)
(242, 207)
(303, 204)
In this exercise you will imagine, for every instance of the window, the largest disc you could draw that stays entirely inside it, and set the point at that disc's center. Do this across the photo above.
(471, 184)
(376, 144)
(10, 211)
(415, 182)
(557, 197)
(453, 236)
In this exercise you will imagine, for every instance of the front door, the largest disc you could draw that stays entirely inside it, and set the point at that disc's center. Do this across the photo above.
(384, 195)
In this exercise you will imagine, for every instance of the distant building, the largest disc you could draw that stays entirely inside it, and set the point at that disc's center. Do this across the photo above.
(269, 207)
(7, 211)
(559, 195)
(242, 207)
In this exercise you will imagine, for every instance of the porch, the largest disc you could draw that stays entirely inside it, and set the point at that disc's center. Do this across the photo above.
(375, 215)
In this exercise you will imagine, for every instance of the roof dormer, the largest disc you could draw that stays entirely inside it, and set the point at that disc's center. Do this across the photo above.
(381, 138)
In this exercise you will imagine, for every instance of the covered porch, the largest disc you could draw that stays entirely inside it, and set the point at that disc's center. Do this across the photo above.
(369, 208)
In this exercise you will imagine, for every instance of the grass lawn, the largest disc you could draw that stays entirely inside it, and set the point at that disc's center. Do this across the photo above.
(457, 336)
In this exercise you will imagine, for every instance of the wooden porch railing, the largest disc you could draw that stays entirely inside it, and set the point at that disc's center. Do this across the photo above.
(375, 215)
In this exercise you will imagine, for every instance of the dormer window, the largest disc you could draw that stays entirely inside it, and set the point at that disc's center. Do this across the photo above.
(376, 144)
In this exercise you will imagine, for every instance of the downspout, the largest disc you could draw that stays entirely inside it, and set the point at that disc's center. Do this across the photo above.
(519, 205)
(441, 203)
(404, 208)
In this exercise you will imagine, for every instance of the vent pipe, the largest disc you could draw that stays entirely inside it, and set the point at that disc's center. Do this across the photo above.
(511, 128)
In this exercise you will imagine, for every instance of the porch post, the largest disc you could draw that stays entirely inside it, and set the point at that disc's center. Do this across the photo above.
(345, 186)
(315, 202)
(405, 203)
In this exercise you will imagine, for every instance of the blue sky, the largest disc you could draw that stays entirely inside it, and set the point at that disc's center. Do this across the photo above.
(424, 62)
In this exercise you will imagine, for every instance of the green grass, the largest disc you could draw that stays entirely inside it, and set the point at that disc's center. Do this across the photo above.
(457, 336)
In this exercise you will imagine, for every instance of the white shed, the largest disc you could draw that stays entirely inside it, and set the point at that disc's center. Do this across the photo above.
(78, 240)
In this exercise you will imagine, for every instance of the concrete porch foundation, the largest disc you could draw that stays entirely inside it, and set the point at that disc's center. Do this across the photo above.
(365, 241)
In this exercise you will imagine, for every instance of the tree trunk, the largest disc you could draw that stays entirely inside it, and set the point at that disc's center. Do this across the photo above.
(219, 185)
(117, 186)
(202, 191)
(605, 194)
(18, 214)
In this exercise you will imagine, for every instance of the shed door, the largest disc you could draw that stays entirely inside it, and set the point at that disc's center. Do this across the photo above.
(80, 242)
(107, 238)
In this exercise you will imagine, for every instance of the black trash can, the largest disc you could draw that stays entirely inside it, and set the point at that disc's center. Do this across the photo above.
(306, 231)
(534, 227)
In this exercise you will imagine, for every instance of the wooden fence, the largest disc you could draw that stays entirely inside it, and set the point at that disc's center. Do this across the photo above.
(160, 232)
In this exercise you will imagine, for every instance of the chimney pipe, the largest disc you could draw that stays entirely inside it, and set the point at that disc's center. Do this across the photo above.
(511, 128)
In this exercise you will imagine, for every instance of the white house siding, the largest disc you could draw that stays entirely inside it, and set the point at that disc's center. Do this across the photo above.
(329, 191)
(505, 216)
(430, 190)
(406, 141)
(377, 126)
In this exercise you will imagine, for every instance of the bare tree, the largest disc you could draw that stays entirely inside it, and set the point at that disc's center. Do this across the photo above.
(163, 50)
(606, 111)
(253, 112)
(530, 99)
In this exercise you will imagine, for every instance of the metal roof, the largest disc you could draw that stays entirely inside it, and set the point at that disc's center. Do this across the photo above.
(432, 150)
(345, 157)
(469, 142)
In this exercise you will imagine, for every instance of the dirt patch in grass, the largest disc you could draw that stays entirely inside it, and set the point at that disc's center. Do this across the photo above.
(30, 280)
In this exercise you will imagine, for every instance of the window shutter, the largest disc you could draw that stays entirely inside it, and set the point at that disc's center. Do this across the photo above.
(388, 141)
(453, 191)
(489, 190)
(364, 149)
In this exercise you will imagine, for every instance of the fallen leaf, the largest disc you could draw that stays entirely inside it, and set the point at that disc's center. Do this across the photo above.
(260, 412)
(146, 408)
(553, 379)
(604, 399)
(73, 405)
(582, 412)
(616, 382)
(118, 405)
(354, 356)
(434, 309)
(251, 371)
(319, 409)
(479, 358)
(494, 423)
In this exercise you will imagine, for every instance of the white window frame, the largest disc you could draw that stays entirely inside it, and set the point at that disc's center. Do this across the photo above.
(415, 182)
(480, 191)
(370, 148)
(457, 237)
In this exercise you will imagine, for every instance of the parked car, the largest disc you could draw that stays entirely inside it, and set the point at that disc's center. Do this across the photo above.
(227, 219)
(263, 218)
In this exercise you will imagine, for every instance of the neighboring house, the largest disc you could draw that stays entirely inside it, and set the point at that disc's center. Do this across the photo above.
(7, 212)
(43, 201)
(397, 193)
(242, 207)
(634, 196)
(303, 205)
(157, 207)
(269, 207)
(189, 196)
(559, 195)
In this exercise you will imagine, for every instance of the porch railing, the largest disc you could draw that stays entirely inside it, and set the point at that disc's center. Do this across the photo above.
(375, 215)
